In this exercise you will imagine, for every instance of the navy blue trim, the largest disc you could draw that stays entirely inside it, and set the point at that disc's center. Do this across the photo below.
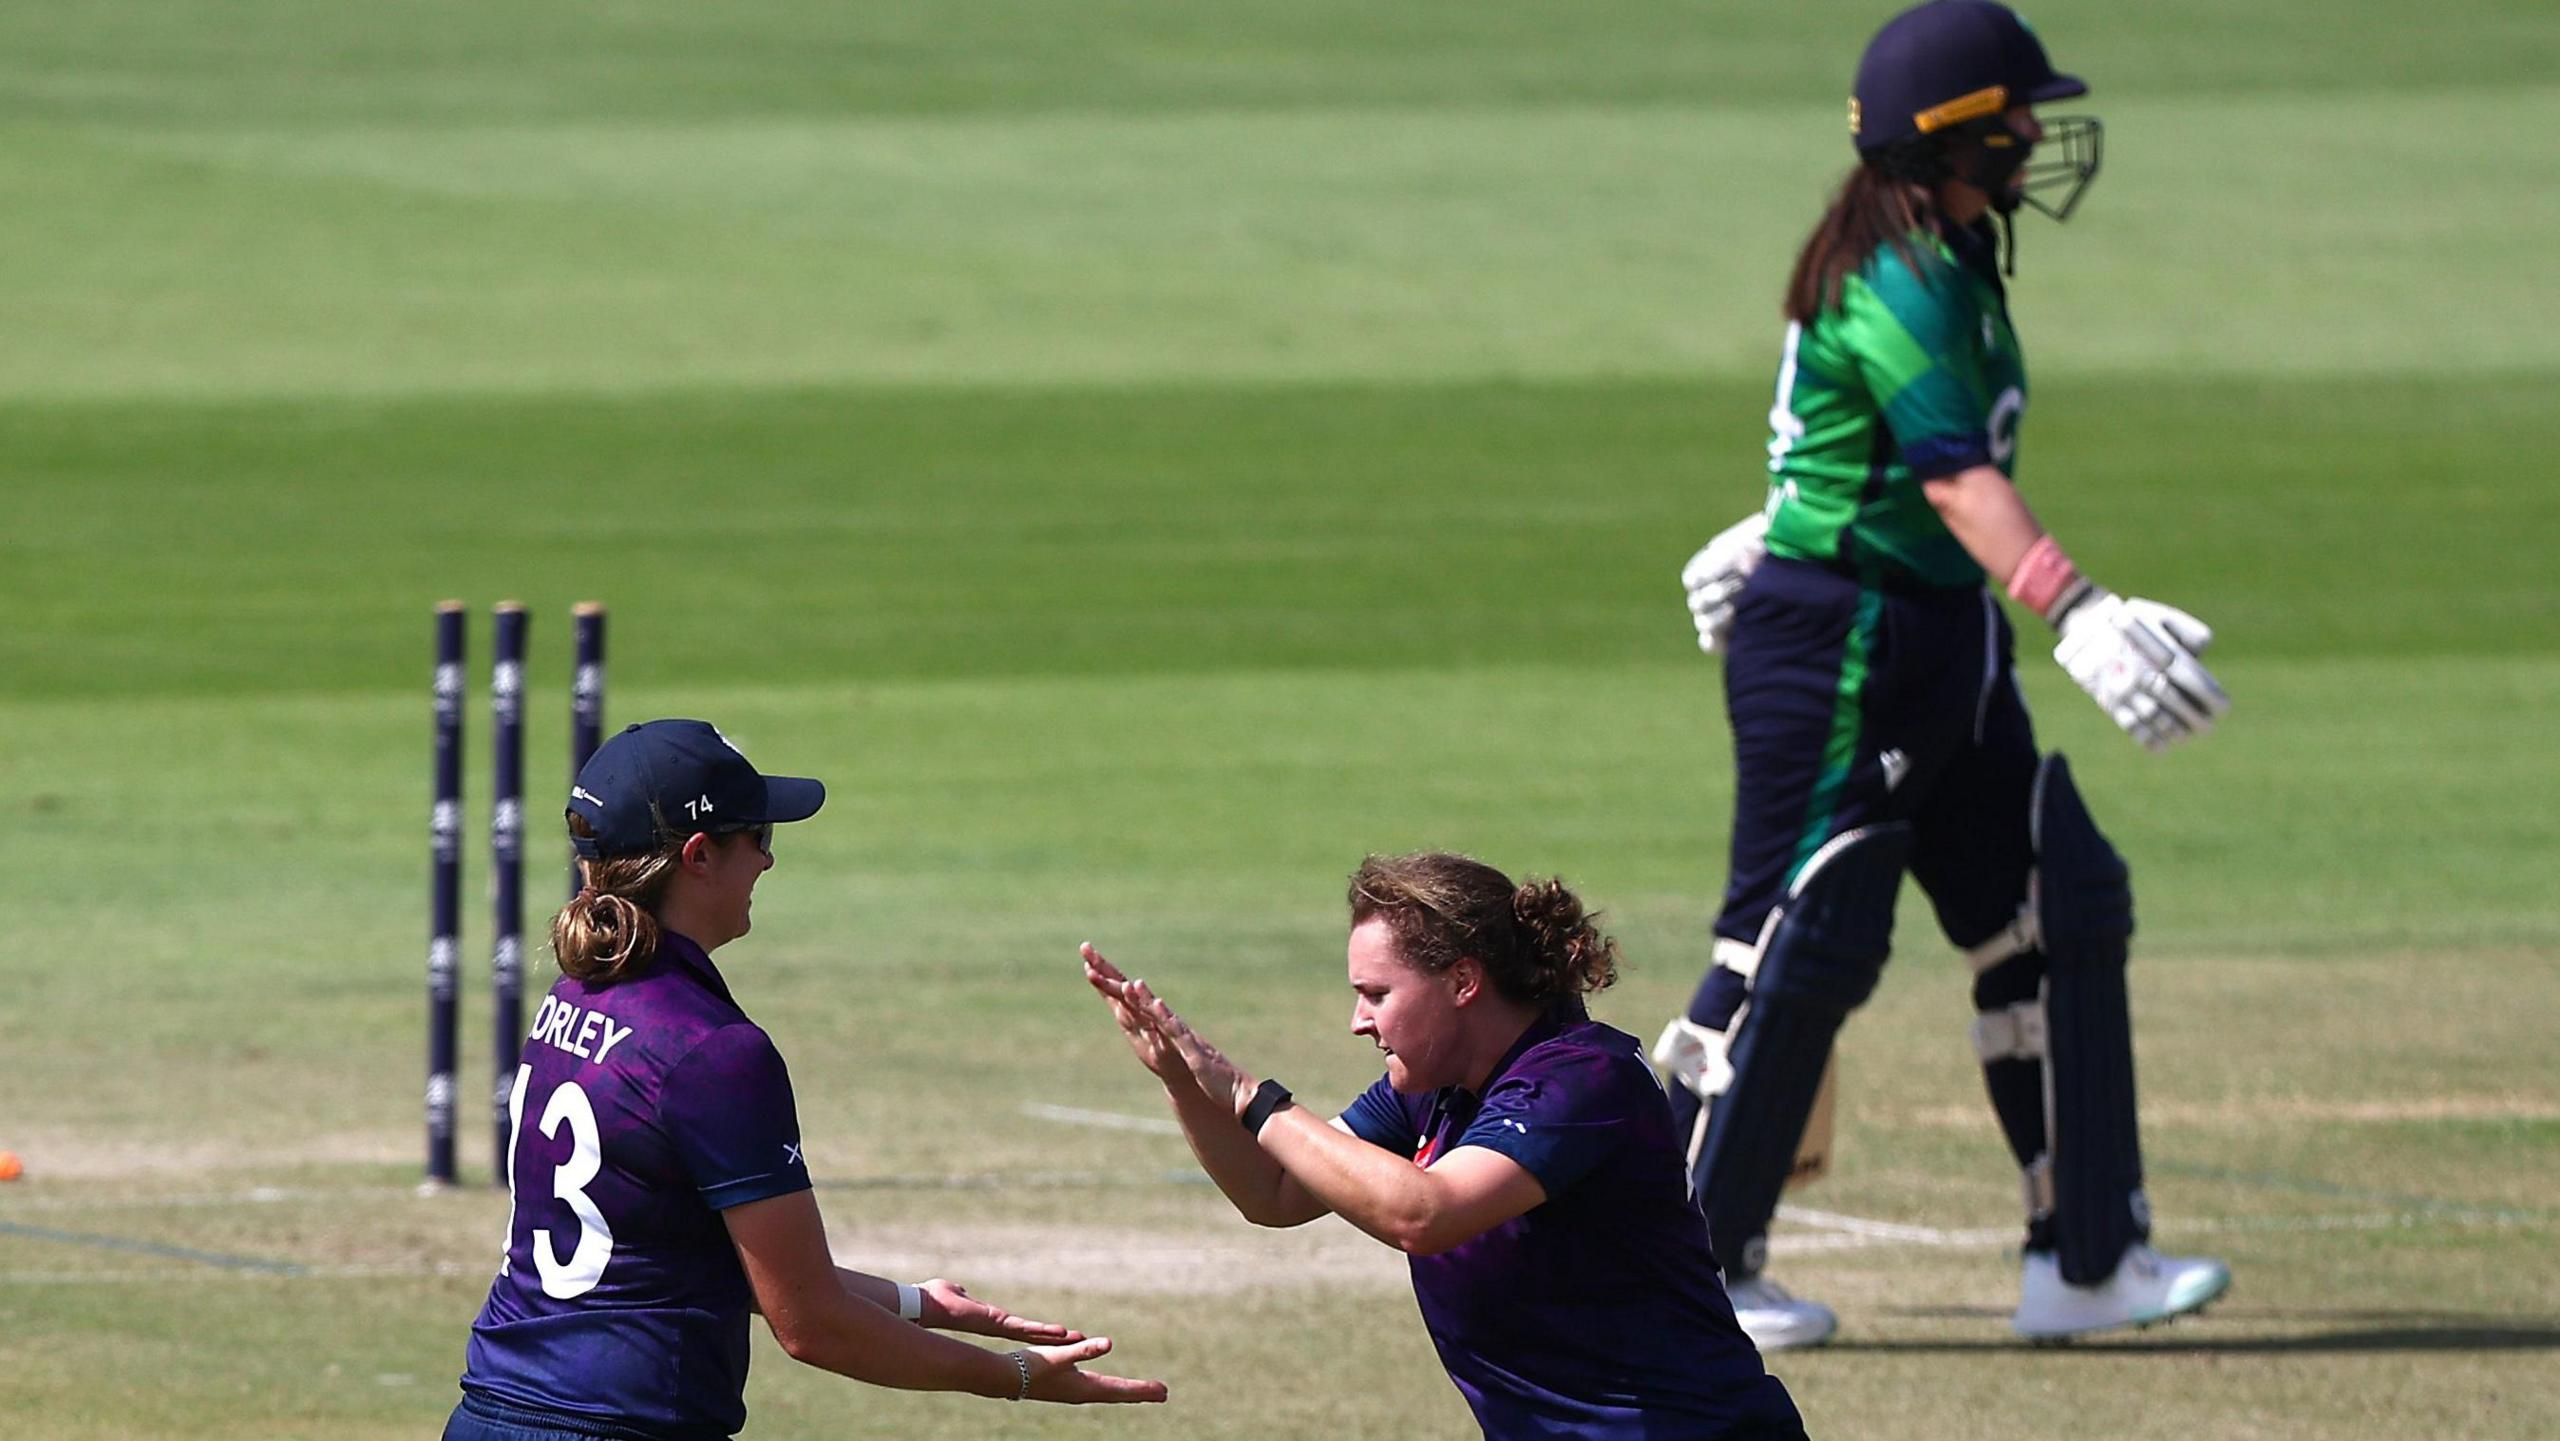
(754, 1188)
(1936, 456)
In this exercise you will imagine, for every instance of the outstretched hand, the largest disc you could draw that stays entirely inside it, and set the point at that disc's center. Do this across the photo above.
(1152, 1050)
(1219, 1078)
(1055, 1377)
(948, 1306)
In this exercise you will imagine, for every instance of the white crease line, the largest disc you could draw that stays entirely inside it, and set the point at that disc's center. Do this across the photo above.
(1879, 1231)
(1100, 1120)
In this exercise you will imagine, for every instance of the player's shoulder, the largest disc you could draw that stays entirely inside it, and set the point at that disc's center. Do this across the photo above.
(667, 1015)
(1588, 1053)
(1916, 278)
(735, 1045)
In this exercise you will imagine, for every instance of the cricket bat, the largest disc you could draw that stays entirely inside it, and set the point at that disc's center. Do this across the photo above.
(1813, 1153)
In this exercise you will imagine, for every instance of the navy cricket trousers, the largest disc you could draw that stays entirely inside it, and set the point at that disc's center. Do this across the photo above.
(1854, 703)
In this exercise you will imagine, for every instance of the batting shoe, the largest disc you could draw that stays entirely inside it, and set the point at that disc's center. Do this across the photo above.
(1776, 1321)
(2146, 1289)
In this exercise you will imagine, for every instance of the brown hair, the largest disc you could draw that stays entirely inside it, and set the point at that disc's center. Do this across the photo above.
(1873, 208)
(1535, 941)
(609, 931)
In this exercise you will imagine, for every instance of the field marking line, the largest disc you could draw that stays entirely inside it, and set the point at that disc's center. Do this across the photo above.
(1100, 1120)
(162, 1250)
(1870, 1230)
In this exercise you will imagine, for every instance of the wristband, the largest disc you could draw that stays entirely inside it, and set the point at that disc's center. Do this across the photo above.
(910, 1303)
(2046, 581)
(1022, 1363)
(1268, 1097)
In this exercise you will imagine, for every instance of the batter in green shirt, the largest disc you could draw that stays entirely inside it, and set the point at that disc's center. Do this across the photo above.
(1914, 375)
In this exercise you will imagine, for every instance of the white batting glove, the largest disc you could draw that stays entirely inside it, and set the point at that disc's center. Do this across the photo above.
(1715, 575)
(2137, 659)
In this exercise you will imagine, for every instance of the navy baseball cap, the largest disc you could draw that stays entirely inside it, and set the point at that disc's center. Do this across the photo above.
(1942, 63)
(663, 780)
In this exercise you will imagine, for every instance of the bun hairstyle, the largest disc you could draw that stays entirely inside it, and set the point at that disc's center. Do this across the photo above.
(1536, 942)
(609, 931)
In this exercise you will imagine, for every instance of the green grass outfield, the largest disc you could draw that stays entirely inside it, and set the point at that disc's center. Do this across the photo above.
(1145, 455)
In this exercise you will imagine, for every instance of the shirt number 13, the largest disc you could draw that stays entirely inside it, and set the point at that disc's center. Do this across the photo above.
(575, 1277)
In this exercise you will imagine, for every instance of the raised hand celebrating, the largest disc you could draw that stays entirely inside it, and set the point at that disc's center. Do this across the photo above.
(1217, 1077)
(1151, 1047)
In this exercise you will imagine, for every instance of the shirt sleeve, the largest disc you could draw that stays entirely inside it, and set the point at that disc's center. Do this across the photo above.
(728, 1111)
(1380, 1117)
(1557, 1121)
(1917, 337)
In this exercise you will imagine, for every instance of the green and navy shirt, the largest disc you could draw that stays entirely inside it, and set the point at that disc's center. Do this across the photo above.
(1915, 375)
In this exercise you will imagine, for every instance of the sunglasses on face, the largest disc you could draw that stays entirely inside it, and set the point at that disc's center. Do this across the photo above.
(762, 833)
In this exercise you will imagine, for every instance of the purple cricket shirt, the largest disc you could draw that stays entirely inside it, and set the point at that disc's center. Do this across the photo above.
(642, 1110)
(1598, 1313)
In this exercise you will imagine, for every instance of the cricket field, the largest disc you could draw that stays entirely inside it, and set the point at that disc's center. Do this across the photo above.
(1143, 455)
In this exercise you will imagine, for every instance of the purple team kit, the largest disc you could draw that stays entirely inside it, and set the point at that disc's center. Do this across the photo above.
(641, 1111)
(1599, 1313)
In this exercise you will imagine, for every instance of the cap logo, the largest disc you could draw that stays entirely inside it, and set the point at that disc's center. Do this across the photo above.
(695, 810)
(1961, 109)
(581, 793)
(1853, 115)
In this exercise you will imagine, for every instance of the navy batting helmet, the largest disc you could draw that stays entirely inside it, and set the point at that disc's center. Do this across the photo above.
(1936, 84)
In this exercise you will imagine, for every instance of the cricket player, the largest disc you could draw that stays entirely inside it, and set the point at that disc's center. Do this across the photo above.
(1519, 1152)
(1877, 724)
(660, 1191)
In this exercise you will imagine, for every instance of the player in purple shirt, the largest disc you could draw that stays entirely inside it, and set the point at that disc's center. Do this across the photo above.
(660, 1192)
(1521, 1153)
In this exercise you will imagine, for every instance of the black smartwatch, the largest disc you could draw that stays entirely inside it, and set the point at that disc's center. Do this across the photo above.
(1268, 1097)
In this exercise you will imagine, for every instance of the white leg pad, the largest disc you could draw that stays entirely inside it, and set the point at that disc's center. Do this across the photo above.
(2011, 1033)
(2022, 934)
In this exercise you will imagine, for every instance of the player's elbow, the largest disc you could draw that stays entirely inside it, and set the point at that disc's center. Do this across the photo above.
(1426, 1242)
(1279, 1213)
(801, 1331)
(801, 1343)
(1425, 1233)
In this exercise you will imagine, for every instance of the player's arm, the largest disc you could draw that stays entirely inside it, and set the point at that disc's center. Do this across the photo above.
(2138, 659)
(946, 1305)
(1419, 1211)
(1987, 516)
(1416, 1210)
(1256, 1185)
(822, 1321)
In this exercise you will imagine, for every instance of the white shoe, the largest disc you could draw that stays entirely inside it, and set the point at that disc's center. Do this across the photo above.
(1776, 1321)
(2146, 1289)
